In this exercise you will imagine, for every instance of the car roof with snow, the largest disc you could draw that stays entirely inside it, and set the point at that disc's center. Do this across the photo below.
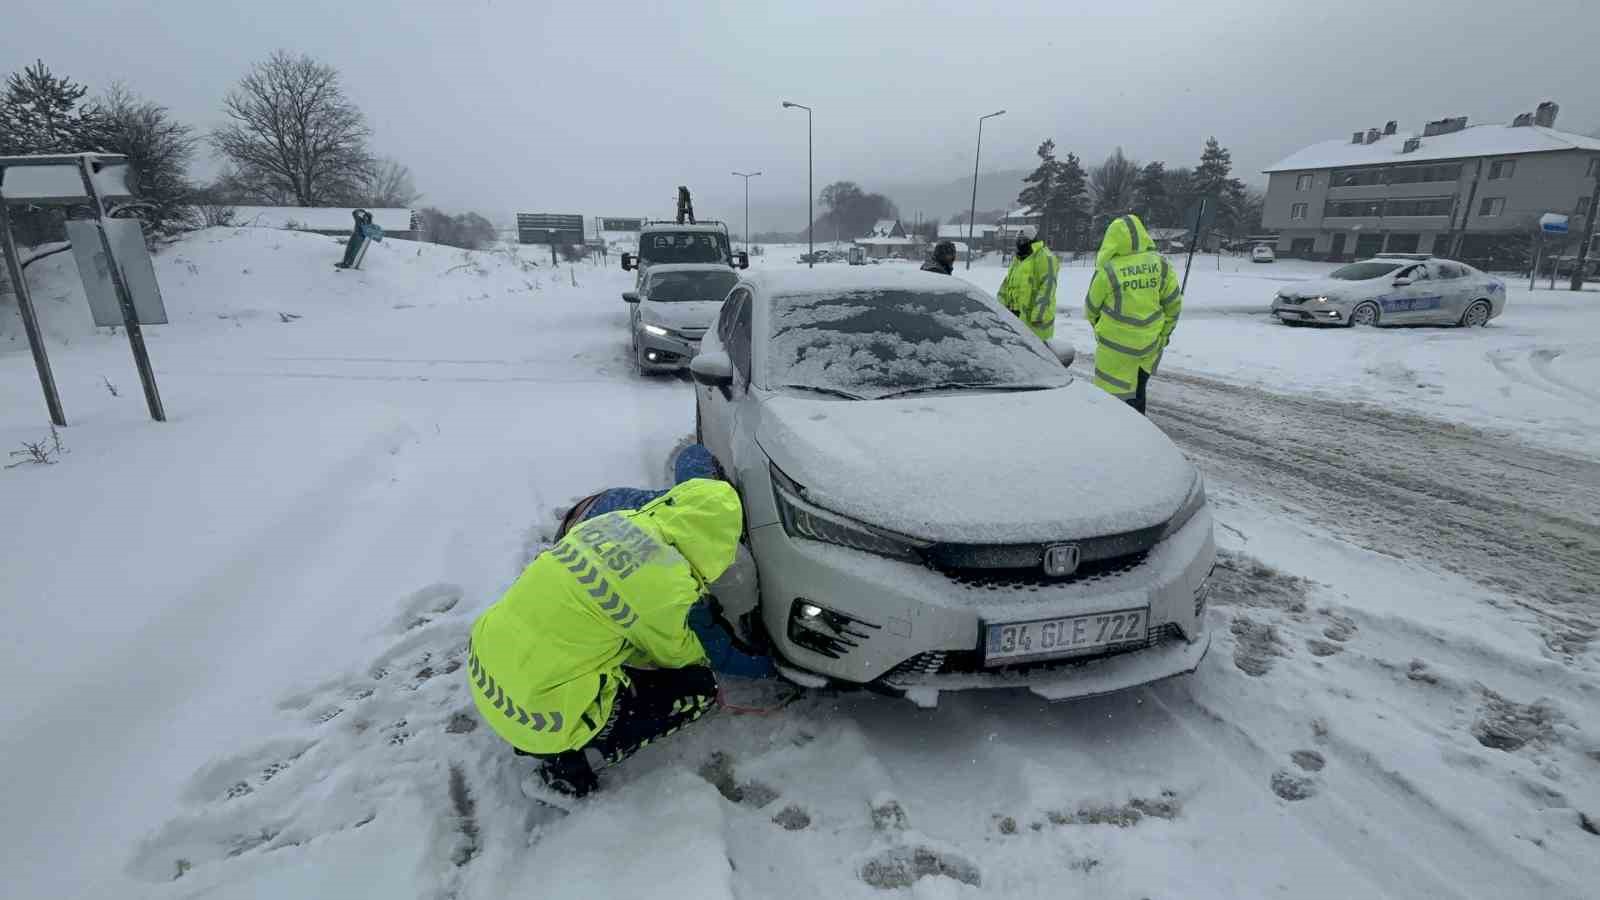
(664, 268)
(707, 227)
(839, 280)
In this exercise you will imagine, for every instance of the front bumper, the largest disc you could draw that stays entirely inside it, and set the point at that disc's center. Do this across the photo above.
(665, 354)
(1310, 312)
(922, 628)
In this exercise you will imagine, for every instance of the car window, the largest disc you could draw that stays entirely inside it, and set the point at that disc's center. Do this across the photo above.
(730, 309)
(678, 286)
(1415, 273)
(739, 337)
(1363, 271)
(1448, 270)
(690, 247)
(872, 343)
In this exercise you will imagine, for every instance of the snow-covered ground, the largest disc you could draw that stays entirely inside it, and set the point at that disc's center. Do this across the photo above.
(231, 658)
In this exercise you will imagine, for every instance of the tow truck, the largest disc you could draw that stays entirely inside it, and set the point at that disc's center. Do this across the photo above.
(678, 241)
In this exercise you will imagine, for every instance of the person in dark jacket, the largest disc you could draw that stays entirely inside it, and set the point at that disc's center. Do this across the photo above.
(943, 259)
(358, 234)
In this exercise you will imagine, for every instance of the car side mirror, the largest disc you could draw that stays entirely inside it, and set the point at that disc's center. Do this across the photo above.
(744, 259)
(628, 262)
(630, 297)
(1402, 281)
(1063, 351)
(713, 369)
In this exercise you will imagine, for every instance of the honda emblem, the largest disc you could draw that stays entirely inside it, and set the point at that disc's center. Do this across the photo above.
(1061, 559)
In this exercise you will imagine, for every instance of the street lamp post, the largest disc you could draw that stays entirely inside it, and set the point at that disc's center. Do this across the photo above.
(811, 243)
(747, 176)
(972, 214)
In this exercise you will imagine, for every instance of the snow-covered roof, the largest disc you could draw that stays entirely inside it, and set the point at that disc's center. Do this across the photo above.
(319, 218)
(889, 241)
(960, 231)
(1475, 140)
(668, 226)
(660, 268)
(1167, 234)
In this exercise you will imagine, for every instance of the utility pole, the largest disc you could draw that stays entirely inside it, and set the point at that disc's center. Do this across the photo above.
(811, 192)
(972, 214)
(1588, 226)
(747, 176)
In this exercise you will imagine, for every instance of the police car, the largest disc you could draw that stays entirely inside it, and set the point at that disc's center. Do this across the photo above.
(1394, 289)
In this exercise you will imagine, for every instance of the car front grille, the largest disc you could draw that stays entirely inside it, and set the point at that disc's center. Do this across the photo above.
(1033, 579)
(954, 662)
(1291, 301)
(956, 559)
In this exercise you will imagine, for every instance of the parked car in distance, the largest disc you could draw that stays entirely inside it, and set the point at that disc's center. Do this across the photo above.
(672, 308)
(854, 408)
(1263, 253)
(1394, 289)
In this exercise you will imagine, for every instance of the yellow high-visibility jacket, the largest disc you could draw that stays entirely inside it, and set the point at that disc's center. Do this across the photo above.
(1133, 304)
(546, 660)
(1029, 290)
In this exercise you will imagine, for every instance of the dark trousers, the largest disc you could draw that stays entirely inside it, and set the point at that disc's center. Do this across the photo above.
(656, 704)
(1137, 400)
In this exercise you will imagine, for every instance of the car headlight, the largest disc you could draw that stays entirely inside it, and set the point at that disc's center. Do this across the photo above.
(656, 330)
(1195, 502)
(1319, 299)
(802, 518)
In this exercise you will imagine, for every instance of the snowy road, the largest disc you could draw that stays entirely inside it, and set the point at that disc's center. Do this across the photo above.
(1516, 520)
(238, 674)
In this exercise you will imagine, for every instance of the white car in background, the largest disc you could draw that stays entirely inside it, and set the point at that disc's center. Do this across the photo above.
(1263, 253)
(934, 502)
(1394, 289)
(672, 308)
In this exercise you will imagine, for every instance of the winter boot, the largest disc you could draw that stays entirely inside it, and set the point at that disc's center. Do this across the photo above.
(569, 773)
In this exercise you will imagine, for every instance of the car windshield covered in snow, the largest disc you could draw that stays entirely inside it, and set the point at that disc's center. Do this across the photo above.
(882, 343)
(671, 286)
(683, 247)
(1363, 271)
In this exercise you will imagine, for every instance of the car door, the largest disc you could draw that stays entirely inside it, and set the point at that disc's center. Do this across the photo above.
(1455, 291)
(1413, 302)
(715, 403)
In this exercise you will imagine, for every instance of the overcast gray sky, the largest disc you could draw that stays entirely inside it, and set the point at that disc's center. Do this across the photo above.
(599, 108)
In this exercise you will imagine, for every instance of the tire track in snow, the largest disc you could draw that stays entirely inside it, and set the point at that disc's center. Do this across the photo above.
(1522, 521)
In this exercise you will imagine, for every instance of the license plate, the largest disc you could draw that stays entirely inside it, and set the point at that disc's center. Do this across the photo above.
(1021, 641)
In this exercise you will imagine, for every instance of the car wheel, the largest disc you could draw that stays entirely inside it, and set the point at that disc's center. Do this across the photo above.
(1365, 314)
(1477, 315)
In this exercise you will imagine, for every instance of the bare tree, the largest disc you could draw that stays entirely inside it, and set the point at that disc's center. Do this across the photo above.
(159, 148)
(1114, 184)
(389, 185)
(293, 134)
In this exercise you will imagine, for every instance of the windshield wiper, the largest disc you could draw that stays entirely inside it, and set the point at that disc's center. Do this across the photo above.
(966, 385)
(831, 392)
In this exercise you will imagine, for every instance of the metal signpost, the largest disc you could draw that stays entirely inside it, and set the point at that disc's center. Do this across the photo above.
(550, 228)
(75, 180)
(1549, 223)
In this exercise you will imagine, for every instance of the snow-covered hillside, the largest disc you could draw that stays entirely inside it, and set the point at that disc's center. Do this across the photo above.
(231, 660)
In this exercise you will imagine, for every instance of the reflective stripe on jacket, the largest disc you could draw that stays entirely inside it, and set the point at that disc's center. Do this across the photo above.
(1029, 290)
(1133, 304)
(545, 661)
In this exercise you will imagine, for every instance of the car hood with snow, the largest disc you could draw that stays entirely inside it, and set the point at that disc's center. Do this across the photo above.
(981, 468)
(682, 315)
(1337, 289)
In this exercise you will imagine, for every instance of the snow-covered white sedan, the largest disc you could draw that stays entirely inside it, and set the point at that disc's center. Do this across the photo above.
(672, 308)
(1394, 289)
(1263, 253)
(934, 502)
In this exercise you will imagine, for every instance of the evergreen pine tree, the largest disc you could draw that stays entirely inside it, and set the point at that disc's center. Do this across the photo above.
(41, 113)
(1041, 189)
(1071, 201)
(1150, 196)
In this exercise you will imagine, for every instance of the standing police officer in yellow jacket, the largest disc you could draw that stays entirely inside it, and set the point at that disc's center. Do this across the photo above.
(591, 647)
(1133, 304)
(1029, 290)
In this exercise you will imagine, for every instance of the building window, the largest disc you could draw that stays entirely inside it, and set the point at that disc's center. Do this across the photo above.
(1357, 177)
(1304, 182)
(1353, 209)
(1420, 206)
(1423, 174)
(1502, 168)
(1492, 206)
(1298, 210)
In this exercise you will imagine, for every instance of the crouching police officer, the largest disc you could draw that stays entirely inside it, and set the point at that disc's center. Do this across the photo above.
(604, 643)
